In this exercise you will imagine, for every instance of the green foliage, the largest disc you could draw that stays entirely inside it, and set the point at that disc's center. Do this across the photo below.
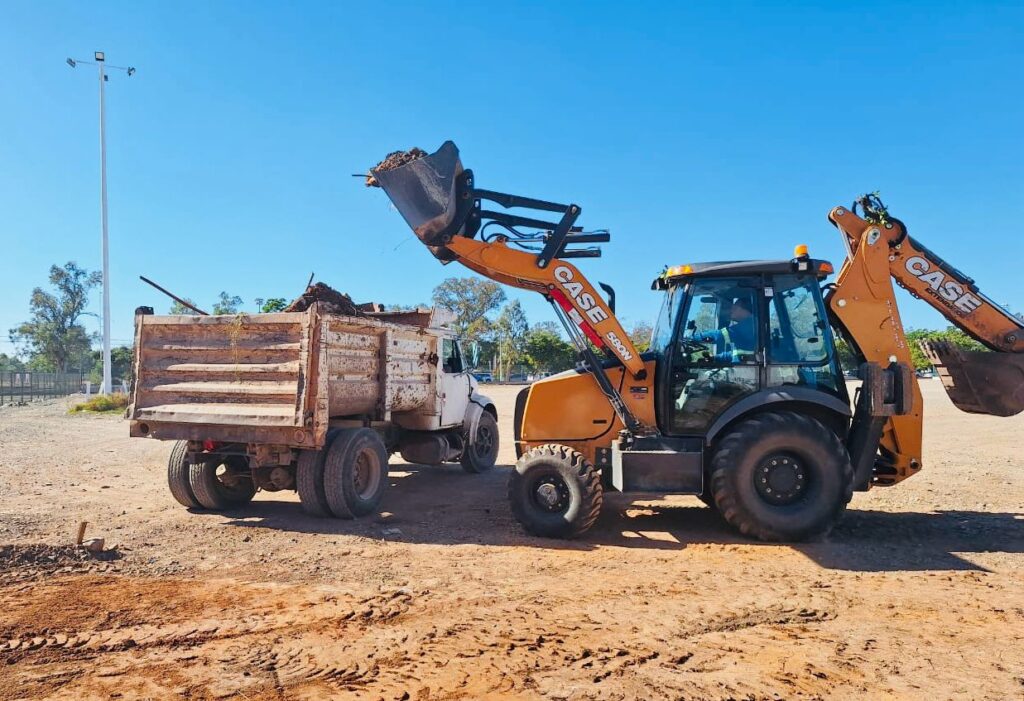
(472, 300)
(950, 335)
(102, 403)
(120, 365)
(10, 363)
(640, 335)
(179, 308)
(847, 358)
(52, 337)
(510, 335)
(227, 304)
(547, 351)
(274, 304)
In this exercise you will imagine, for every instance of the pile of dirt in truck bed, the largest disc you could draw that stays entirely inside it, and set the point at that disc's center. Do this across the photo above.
(395, 159)
(330, 300)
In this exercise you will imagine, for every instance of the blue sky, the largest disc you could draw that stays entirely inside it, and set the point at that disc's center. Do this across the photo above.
(695, 131)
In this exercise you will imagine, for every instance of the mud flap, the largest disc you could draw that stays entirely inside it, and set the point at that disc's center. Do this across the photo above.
(979, 382)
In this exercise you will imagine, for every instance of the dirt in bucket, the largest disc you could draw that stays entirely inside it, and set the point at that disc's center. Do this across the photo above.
(329, 299)
(395, 159)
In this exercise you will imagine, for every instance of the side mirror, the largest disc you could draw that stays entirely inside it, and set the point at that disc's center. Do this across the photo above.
(474, 353)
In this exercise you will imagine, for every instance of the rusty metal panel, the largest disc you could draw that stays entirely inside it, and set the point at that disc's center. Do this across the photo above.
(240, 370)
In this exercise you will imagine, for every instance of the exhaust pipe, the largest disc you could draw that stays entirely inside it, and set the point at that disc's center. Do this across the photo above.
(979, 382)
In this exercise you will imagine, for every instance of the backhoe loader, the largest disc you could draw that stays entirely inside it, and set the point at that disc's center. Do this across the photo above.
(741, 399)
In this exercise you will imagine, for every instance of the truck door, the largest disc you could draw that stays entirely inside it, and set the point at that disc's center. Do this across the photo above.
(453, 385)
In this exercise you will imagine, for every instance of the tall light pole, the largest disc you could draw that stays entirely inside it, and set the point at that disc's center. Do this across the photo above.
(101, 64)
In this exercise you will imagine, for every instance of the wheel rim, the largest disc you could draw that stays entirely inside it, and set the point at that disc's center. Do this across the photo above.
(365, 474)
(484, 441)
(550, 494)
(231, 480)
(781, 479)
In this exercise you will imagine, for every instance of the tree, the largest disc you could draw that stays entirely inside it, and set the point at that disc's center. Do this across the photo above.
(120, 365)
(226, 304)
(10, 363)
(640, 335)
(471, 299)
(547, 351)
(510, 333)
(53, 337)
(179, 308)
(951, 335)
(274, 304)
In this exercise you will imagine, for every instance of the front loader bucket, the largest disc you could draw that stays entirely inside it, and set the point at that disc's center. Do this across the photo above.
(979, 382)
(424, 193)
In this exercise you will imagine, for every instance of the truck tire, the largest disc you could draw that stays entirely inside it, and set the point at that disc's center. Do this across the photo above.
(555, 492)
(481, 451)
(177, 476)
(217, 489)
(309, 479)
(355, 473)
(781, 476)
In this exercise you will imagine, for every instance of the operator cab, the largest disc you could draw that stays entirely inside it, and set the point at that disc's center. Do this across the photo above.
(730, 330)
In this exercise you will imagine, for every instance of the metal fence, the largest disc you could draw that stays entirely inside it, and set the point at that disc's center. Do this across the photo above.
(23, 387)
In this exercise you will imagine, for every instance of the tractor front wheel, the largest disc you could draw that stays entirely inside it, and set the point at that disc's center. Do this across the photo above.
(555, 492)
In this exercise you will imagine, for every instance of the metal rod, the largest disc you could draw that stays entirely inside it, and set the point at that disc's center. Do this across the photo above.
(176, 298)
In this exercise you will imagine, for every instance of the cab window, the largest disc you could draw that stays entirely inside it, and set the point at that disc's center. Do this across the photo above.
(451, 358)
(715, 354)
(800, 349)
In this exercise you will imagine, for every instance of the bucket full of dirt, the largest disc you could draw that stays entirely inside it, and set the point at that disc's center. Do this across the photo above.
(424, 190)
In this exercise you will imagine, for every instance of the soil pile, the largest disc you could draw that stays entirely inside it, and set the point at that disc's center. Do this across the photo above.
(395, 159)
(329, 299)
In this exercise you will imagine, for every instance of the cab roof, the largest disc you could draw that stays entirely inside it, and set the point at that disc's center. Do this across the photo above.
(729, 268)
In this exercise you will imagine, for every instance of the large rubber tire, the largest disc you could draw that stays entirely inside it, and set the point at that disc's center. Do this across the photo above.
(355, 473)
(555, 492)
(810, 463)
(215, 494)
(481, 451)
(309, 479)
(178, 476)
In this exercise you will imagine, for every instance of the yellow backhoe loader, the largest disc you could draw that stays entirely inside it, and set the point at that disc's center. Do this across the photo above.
(741, 399)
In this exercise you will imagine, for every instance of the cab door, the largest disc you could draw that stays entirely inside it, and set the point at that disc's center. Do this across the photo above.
(715, 358)
(453, 386)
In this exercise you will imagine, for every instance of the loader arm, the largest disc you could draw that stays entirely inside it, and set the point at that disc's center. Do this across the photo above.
(879, 250)
(439, 200)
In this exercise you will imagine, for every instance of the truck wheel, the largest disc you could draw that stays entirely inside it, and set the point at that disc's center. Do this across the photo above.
(781, 477)
(355, 473)
(481, 451)
(222, 482)
(309, 479)
(555, 492)
(177, 476)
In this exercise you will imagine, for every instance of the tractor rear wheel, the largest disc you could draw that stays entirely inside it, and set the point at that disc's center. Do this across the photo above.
(555, 492)
(781, 476)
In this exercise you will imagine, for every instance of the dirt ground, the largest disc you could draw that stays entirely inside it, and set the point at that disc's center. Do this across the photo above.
(919, 593)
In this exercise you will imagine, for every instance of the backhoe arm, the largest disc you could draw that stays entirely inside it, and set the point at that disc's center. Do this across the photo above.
(879, 250)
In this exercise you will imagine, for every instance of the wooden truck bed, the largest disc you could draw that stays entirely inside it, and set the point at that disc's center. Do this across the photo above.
(275, 378)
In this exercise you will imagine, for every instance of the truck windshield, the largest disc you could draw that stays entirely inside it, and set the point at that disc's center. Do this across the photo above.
(661, 338)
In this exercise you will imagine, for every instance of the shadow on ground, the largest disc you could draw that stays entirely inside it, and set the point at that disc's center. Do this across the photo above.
(444, 505)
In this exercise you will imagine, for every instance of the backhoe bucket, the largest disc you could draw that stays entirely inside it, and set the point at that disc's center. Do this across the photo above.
(979, 382)
(424, 193)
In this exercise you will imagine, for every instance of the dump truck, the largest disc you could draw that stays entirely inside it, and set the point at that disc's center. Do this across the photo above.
(307, 401)
(741, 399)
